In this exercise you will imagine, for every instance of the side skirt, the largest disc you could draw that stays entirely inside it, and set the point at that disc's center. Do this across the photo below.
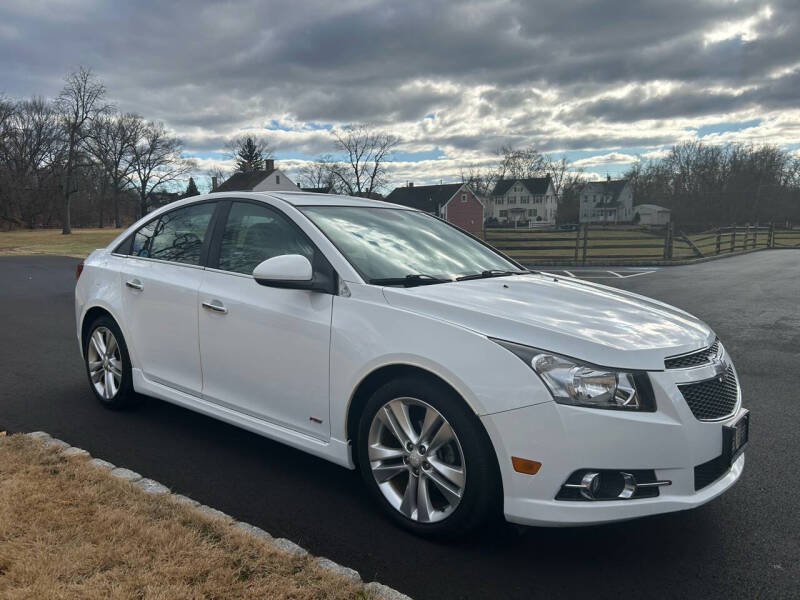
(333, 450)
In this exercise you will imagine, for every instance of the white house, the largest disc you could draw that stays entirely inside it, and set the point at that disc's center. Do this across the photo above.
(651, 214)
(532, 199)
(609, 201)
(270, 179)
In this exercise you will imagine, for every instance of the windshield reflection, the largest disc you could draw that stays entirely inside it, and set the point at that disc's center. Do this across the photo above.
(384, 243)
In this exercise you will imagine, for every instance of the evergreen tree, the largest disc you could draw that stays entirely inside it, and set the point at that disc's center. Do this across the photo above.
(249, 155)
(191, 189)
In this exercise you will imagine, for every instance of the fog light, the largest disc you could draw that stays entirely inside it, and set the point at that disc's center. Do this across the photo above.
(588, 486)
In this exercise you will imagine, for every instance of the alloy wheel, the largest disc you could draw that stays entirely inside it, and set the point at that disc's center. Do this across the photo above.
(105, 363)
(416, 460)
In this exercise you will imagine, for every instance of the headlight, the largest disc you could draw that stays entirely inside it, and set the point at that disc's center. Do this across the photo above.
(581, 384)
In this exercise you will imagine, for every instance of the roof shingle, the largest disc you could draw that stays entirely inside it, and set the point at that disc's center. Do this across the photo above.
(429, 198)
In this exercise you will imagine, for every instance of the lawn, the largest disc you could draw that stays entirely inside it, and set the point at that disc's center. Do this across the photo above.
(51, 241)
(70, 530)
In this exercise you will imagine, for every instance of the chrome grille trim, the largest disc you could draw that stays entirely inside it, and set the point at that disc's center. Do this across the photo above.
(694, 359)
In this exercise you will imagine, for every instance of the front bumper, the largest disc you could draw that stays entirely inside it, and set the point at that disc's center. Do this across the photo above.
(564, 439)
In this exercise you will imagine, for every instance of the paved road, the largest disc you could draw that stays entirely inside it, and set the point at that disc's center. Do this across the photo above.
(743, 545)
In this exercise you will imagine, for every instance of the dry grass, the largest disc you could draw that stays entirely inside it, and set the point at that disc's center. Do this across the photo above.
(50, 241)
(70, 530)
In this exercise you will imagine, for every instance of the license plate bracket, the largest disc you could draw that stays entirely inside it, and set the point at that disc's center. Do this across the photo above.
(735, 437)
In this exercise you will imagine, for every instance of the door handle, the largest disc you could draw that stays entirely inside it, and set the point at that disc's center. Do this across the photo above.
(216, 306)
(134, 284)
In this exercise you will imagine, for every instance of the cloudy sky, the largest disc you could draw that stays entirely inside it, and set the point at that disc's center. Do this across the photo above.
(600, 82)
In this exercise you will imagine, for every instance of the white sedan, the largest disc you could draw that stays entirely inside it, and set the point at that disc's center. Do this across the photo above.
(384, 339)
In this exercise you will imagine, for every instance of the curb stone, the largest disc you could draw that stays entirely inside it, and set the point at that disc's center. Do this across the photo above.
(384, 592)
(213, 512)
(125, 474)
(103, 464)
(55, 443)
(378, 590)
(253, 530)
(181, 499)
(289, 546)
(334, 567)
(73, 451)
(151, 486)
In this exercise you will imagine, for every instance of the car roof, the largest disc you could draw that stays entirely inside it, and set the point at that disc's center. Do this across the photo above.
(313, 199)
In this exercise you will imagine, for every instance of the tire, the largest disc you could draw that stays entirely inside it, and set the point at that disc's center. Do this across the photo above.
(109, 373)
(457, 483)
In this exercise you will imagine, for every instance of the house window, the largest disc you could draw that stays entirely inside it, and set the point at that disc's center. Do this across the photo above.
(277, 179)
(463, 197)
(512, 199)
(524, 199)
(531, 212)
(503, 214)
(499, 200)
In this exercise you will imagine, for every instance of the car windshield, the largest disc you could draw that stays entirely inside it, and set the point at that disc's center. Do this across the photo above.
(386, 244)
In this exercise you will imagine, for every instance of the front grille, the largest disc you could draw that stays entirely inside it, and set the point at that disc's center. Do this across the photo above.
(695, 359)
(710, 471)
(714, 398)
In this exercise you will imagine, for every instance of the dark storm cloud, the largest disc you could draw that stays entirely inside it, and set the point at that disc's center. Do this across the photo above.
(210, 68)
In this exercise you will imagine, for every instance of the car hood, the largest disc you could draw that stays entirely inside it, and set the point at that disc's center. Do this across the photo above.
(588, 321)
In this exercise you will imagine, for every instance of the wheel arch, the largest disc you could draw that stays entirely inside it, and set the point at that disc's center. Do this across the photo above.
(89, 317)
(381, 375)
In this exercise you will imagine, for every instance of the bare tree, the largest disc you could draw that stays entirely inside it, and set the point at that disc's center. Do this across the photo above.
(367, 150)
(318, 173)
(520, 163)
(28, 155)
(112, 142)
(482, 181)
(79, 100)
(249, 152)
(156, 161)
(218, 174)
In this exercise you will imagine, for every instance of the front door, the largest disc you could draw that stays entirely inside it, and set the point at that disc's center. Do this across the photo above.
(264, 351)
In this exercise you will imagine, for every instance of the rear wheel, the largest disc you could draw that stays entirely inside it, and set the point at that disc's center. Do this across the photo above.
(108, 364)
(425, 458)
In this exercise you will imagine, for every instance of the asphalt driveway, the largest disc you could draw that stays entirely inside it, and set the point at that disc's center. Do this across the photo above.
(745, 544)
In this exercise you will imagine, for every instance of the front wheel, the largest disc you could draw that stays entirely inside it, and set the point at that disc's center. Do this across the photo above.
(108, 364)
(425, 458)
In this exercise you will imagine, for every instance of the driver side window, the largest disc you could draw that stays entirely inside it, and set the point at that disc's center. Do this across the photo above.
(254, 233)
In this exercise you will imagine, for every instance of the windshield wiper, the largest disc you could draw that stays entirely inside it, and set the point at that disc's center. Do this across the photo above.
(410, 280)
(490, 273)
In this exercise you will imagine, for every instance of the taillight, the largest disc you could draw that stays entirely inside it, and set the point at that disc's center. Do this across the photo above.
(78, 271)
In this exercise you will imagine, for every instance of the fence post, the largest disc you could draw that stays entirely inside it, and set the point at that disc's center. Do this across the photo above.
(585, 236)
(577, 242)
(733, 238)
(719, 240)
(755, 238)
(771, 236)
(668, 242)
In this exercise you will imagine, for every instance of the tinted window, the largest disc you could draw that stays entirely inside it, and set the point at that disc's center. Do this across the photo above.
(176, 236)
(255, 233)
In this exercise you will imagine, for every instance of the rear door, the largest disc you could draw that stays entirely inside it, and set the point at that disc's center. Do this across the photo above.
(265, 350)
(160, 282)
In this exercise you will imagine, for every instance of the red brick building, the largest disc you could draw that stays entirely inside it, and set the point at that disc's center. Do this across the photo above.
(455, 202)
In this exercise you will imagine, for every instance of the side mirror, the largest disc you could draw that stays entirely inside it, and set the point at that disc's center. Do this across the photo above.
(288, 271)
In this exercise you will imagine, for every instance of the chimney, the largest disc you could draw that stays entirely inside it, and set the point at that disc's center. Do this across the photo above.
(213, 183)
(410, 184)
(269, 164)
(298, 184)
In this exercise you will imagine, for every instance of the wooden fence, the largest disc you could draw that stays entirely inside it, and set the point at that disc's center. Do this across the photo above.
(597, 244)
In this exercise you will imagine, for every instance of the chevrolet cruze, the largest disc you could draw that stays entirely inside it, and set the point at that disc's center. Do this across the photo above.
(385, 339)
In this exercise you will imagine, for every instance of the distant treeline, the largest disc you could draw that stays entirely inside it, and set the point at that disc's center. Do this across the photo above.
(76, 160)
(707, 185)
